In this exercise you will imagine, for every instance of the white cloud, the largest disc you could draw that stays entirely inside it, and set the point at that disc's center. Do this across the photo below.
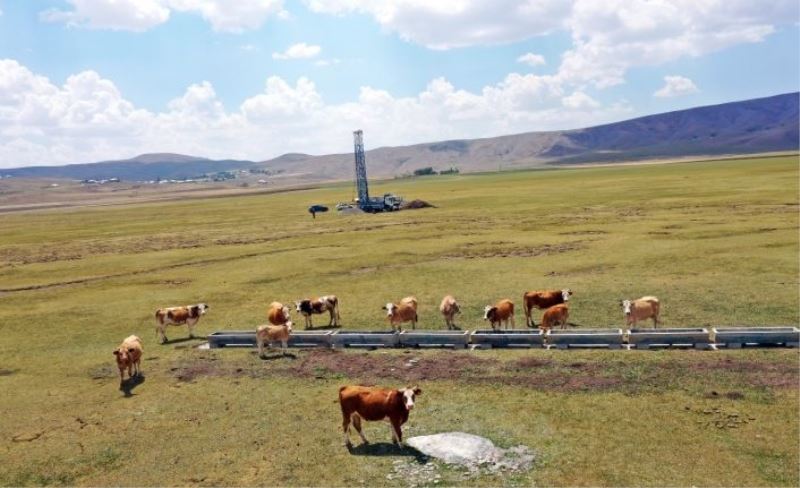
(608, 37)
(298, 51)
(141, 15)
(88, 119)
(531, 59)
(447, 24)
(579, 101)
(676, 86)
(133, 15)
(231, 16)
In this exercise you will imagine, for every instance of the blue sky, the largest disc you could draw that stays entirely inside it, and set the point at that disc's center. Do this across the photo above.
(86, 80)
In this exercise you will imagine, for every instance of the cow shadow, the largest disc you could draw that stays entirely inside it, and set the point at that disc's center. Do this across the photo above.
(388, 449)
(273, 357)
(183, 339)
(324, 327)
(128, 385)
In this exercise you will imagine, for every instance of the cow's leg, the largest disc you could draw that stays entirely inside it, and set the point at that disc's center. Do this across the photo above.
(357, 425)
(346, 429)
(162, 336)
(397, 434)
(285, 345)
(332, 321)
(655, 321)
(260, 342)
(121, 376)
(309, 324)
(513, 323)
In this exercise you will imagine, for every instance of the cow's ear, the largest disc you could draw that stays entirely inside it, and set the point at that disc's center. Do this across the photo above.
(116, 352)
(417, 390)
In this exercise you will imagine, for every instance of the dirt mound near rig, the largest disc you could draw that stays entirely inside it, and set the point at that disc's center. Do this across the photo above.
(413, 204)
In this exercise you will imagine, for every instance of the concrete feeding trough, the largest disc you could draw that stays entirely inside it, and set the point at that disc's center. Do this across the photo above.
(736, 337)
(232, 338)
(563, 339)
(507, 338)
(310, 338)
(457, 339)
(341, 338)
(670, 337)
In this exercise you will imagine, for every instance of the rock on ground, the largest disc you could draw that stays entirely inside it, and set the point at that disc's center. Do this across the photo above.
(472, 451)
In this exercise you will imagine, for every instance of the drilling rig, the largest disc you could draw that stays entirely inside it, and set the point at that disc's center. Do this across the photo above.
(388, 202)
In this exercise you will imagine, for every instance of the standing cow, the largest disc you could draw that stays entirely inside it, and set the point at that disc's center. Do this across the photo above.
(278, 314)
(310, 306)
(641, 309)
(499, 313)
(129, 356)
(405, 311)
(449, 308)
(555, 315)
(371, 403)
(543, 299)
(189, 315)
(267, 334)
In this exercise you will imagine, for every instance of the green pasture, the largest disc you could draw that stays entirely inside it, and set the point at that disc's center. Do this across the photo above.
(717, 242)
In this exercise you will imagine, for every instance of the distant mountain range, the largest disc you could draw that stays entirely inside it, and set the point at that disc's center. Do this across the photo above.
(751, 126)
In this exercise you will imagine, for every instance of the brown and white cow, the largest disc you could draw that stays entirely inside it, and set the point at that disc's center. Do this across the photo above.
(372, 403)
(641, 309)
(499, 313)
(555, 315)
(267, 334)
(309, 306)
(129, 356)
(449, 308)
(278, 314)
(405, 311)
(189, 315)
(543, 299)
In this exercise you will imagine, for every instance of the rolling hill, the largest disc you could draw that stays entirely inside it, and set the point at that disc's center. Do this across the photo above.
(751, 126)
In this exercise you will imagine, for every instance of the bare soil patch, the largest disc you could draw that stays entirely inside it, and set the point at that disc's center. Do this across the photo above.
(371, 368)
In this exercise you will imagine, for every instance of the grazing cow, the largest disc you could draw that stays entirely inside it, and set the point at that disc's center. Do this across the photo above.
(641, 309)
(555, 315)
(273, 333)
(372, 403)
(449, 308)
(543, 300)
(129, 356)
(189, 315)
(405, 311)
(502, 311)
(278, 314)
(310, 306)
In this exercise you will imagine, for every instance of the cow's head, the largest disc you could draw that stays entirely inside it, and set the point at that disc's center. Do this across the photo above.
(626, 306)
(456, 308)
(288, 325)
(285, 312)
(297, 306)
(488, 312)
(409, 395)
(566, 293)
(390, 309)
(123, 355)
(199, 309)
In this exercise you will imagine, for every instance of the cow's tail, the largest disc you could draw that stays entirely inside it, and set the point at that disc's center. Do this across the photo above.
(336, 308)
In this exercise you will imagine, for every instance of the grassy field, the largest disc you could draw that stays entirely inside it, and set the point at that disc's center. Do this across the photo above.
(717, 242)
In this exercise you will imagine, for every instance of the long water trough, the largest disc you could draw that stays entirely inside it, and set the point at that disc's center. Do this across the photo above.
(611, 338)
